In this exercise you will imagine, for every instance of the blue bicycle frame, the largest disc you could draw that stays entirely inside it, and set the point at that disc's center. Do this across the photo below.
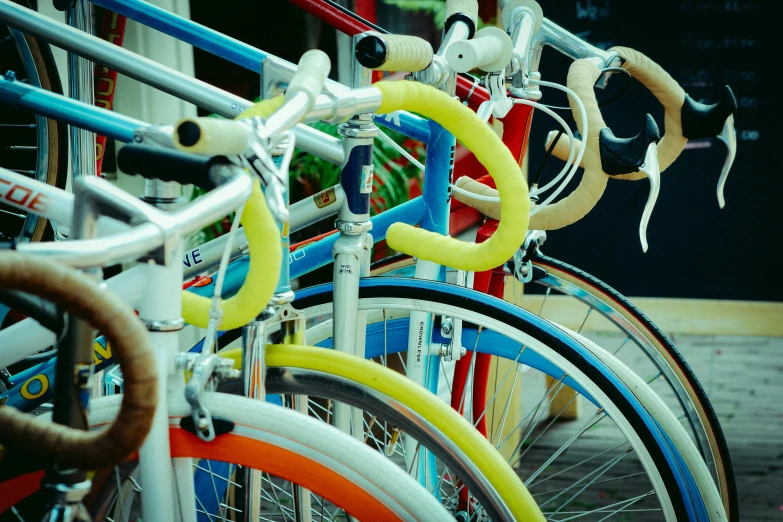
(430, 211)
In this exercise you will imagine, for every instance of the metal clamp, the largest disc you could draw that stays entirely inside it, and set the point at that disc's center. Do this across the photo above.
(522, 260)
(206, 371)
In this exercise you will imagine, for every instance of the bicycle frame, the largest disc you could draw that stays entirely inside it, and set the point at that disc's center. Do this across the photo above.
(429, 210)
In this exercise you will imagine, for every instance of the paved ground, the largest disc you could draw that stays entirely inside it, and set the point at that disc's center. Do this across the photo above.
(743, 377)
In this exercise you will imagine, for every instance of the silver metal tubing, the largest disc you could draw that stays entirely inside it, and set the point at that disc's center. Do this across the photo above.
(80, 87)
(289, 114)
(341, 108)
(160, 229)
(89, 253)
(206, 258)
(215, 204)
(154, 74)
(567, 43)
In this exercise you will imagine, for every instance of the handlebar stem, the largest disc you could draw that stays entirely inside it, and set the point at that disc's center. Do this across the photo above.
(521, 27)
(158, 233)
(569, 44)
(439, 74)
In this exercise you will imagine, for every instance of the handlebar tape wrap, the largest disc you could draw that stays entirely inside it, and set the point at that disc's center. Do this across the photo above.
(405, 53)
(263, 240)
(493, 155)
(581, 76)
(313, 68)
(79, 295)
(220, 136)
(669, 94)
(461, 10)
(262, 109)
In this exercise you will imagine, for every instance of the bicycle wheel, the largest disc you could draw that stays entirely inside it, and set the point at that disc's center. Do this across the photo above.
(30, 144)
(289, 448)
(655, 480)
(674, 380)
(640, 345)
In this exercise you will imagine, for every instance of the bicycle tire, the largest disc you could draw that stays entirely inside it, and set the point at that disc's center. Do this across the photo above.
(569, 280)
(429, 296)
(51, 167)
(709, 420)
(291, 446)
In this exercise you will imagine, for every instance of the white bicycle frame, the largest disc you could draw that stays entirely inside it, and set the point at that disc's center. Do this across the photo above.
(155, 291)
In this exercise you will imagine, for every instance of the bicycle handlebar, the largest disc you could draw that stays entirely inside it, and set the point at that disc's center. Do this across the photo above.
(313, 68)
(602, 150)
(169, 165)
(263, 240)
(81, 296)
(496, 158)
(465, 11)
(490, 50)
(681, 112)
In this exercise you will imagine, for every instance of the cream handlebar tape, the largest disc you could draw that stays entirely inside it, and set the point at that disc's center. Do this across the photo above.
(404, 53)
(581, 77)
(670, 95)
(264, 245)
(478, 137)
(218, 135)
(313, 68)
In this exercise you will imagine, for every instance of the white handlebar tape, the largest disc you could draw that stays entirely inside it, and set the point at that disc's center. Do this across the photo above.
(464, 10)
(210, 136)
(313, 68)
(402, 52)
(490, 50)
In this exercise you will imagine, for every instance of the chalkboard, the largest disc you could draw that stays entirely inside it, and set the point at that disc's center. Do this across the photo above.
(696, 249)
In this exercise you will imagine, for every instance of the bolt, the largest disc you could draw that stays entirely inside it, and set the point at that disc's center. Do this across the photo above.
(203, 424)
(463, 351)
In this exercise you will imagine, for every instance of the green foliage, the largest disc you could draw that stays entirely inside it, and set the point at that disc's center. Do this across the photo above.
(437, 8)
(309, 174)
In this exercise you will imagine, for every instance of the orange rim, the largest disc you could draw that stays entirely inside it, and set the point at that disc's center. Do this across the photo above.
(250, 453)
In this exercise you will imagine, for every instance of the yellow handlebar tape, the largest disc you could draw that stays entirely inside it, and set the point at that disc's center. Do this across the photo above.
(496, 158)
(262, 109)
(263, 241)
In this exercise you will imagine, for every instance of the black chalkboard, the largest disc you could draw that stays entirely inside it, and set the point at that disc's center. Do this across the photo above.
(696, 249)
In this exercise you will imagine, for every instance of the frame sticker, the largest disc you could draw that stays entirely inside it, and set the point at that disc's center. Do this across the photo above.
(366, 182)
(325, 198)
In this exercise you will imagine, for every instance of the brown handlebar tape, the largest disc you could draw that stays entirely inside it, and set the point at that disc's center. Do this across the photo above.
(82, 297)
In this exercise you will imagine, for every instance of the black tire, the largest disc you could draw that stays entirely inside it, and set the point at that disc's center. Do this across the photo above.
(612, 297)
(41, 153)
(548, 266)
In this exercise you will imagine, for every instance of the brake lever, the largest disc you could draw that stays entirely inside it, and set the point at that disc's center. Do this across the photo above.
(728, 136)
(653, 171)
